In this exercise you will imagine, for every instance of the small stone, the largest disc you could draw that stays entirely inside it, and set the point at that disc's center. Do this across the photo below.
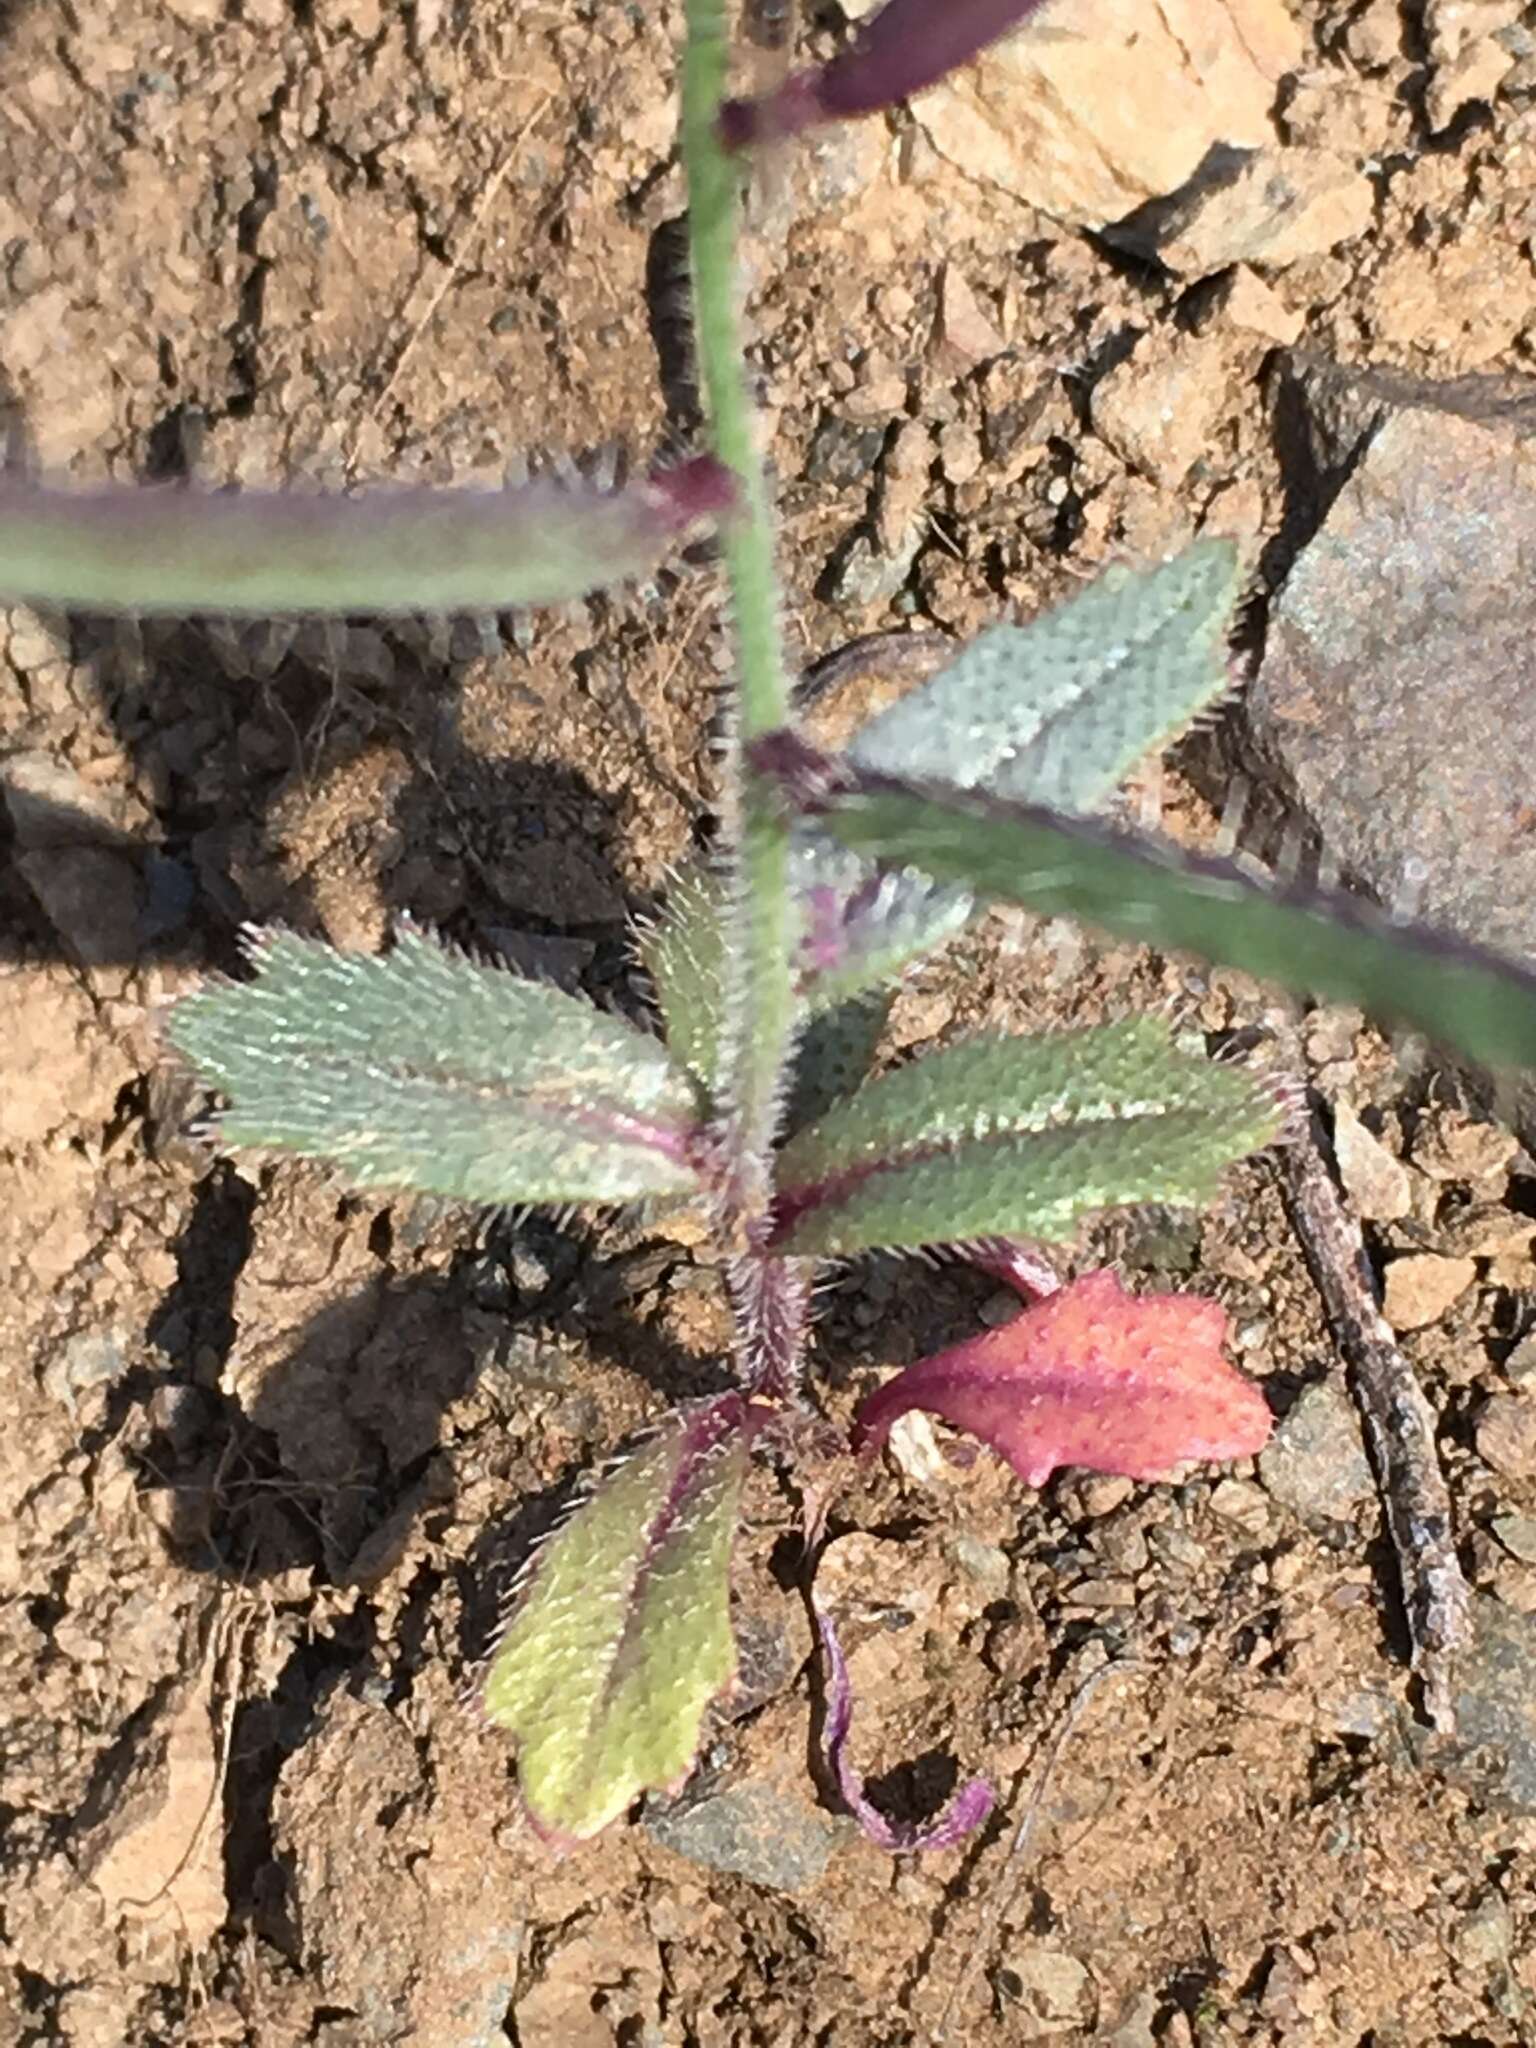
(1272, 207)
(764, 1833)
(1110, 1593)
(983, 1563)
(1053, 1988)
(1517, 1533)
(1506, 1435)
(1422, 1286)
(903, 484)
(1002, 1307)
(842, 452)
(1061, 118)
(963, 334)
(1520, 1366)
(880, 393)
(915, 1449)
(1250, 302)
(92, 898)
(1315, 1464)
(960, 452)
(1374, 37)
(1160, 408)
(1495, 1742)
(1451, 1147)
(1476, 74)
(1133, 2024)
(90, 1360)
(862, 574)
(1376, 1183)
(1104, 1492)
(1243, 1504)
(1482, 1941)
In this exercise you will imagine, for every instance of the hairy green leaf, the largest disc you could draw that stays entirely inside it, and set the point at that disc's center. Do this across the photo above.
(622, 1634)
(834, 1055)
(424, 1070)
(1018, 1137)
(1058, 712)
(164, 548)
(861, 927)
(1328, 945)
(684, 954)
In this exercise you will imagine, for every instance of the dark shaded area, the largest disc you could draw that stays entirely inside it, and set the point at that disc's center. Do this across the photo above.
(339, 1453)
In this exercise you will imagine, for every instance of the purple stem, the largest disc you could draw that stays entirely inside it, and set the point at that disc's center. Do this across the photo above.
(771, 1298)
(1017, 1264)
(964, 1813)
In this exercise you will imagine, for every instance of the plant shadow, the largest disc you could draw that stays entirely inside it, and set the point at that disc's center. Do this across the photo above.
(323, 1448)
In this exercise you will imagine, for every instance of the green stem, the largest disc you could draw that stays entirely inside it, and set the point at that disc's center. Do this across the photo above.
(762, 1007)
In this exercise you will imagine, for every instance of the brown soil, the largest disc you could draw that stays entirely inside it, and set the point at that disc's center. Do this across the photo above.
(269, 1451)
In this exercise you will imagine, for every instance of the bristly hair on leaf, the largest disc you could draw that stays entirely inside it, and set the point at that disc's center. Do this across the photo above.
(1018, 1137)
(621, 1634)
(425, 1071)
(173, 548)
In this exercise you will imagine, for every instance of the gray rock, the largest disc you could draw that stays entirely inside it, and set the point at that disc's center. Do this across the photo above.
(1395, 701)
(1494, 1749)
(860, 573)
(92, 898)
(765, 1833)
(1395, 705)
(1315, 1464)
(1517, 1533)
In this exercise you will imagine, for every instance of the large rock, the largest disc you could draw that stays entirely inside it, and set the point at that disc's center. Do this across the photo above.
(1100, 107)
(1397, 698)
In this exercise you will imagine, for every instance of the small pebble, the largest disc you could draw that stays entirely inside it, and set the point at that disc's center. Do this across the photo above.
(1377, 1183)
(1422, 1286)
(1242, 1503)
(1506, 1435)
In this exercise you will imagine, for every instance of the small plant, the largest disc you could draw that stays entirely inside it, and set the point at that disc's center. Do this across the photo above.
(772, 966)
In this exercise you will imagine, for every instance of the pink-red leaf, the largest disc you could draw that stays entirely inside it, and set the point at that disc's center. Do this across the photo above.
(1090, 1376)
(908, 46)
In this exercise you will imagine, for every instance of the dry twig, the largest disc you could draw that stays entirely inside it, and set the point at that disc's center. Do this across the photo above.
(1399, 1422)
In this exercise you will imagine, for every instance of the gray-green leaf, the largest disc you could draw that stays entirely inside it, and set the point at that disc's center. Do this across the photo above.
(1333, 946)
(423, 1070)
(684, 954)
(861, 927)
(1019, 1137)
(1058, 712)
(622, 1635)
(162, 548)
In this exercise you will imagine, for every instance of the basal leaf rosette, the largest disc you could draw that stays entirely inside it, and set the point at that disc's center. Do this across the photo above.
(621, 1635)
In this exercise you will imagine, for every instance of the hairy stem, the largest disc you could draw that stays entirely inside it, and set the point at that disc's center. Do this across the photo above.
(761, 933)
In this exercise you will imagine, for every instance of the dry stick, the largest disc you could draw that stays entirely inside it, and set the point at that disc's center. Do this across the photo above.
(1006, 1884)
(1399, 1422)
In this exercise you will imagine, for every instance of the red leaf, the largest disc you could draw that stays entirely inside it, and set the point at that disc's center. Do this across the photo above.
(908, 46)
(1090, 1376)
